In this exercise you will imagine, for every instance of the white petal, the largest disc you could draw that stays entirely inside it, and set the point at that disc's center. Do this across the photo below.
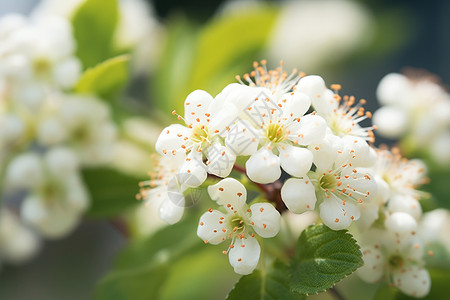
(229, 191)
(360, 154)
(372, 271)
(193, 171)
(407, 204)
(296, 161)
(25, 171)
(299, 195)
(311, 129)
(369, 214)
(171, 212)
(336, 215)
(391, 122)
(242, 138)
(401, 223)
(223, 119)
(392, 89)
(266, 219)
(211, 228)
(171, 139)
(311, 85)
(263, 166)
(195, 107)
(413, 281)
(221, 160)
(294, 105)
(61, 161)
(244, 256)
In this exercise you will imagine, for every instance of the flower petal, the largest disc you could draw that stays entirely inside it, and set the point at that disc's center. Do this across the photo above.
(266, 219)
(336, 215)
(211, 228)
(244, 255)
(296, 161)
(372, 270)
(242, 138)
(299, 195)
(311, 129)
(407, 204)
(294, 105)
(171, 139)
(401, 223)
(221, 160)
(195, 107)
(171, 211)
(230, 193)
(263, 166)
(193, 171)
(413, 281)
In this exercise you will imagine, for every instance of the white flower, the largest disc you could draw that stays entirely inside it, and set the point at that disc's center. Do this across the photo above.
(168, 181)
(396, 255)
(340, 187)
(401, 177)
(55, 208)
(204, 120)
(278, 124)
(13, 129)
(88, 127)
(239, 223)
(341, 113)
(17, 242)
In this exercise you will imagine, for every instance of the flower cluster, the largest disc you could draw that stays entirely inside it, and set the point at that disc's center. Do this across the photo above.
(409, 102)
(293, 136)
(48, 132)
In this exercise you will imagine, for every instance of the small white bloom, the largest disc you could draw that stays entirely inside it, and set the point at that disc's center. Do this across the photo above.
(25, 171)
(204, 122)
(239, 223)
(399, 257)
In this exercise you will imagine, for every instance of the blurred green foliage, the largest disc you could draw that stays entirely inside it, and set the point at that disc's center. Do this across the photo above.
(106, 79)
(209, 57)
(94, 24)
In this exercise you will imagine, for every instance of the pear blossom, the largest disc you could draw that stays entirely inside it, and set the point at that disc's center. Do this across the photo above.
(396, 255)
(341, 113)
(204, 120)
(239, 223)
(402, 177)
(340, 186)
(280, 127)
(169, 180)
(409, 101)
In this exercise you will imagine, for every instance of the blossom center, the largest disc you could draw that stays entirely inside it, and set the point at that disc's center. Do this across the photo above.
(276, 132)
(328, 181)
(237, 224)
(200, 134)
(396, 261)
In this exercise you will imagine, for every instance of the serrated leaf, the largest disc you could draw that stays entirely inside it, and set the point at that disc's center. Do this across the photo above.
(112, 192)
(94, 24)
(265, 286)
(323, 257)
(106, 79)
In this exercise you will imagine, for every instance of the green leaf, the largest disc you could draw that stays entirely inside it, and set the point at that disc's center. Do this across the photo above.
(112, 193)
(265, 286)
(323, 257)
(94, 24)
(209, 58)
(439, 187)
(106, 80)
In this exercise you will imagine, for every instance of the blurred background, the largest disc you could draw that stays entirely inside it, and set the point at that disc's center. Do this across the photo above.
(202, 45)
